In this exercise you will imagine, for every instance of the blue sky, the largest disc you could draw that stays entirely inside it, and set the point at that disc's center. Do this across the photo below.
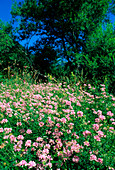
(5, 8)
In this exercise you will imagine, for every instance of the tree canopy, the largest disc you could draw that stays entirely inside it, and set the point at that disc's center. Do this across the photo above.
(11, 52)
(6, 43)
(64, 25)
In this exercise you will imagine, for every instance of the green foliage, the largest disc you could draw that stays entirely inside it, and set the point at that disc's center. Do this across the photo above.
(61, 24)
(6, 44)
(13, 56)
(101, 41)
(99, 60)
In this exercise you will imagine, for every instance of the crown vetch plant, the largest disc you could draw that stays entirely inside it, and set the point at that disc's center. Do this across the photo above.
(46, 126)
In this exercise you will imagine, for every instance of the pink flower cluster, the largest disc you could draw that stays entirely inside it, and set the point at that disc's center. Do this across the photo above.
(53, 126)
(109, 113)
(80, 113)
(94, 158)
(86, 133)
(30, 165)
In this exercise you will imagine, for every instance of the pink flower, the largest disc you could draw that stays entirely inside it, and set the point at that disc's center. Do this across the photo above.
(6, 137)
(112, 119)
(58, 125)
(4, 121)
(74, 134)
(111, 129)
(86, 133)
(41, 124)
(78, 103)
(109, 113)
(103, 85)
(9, 110)
(35, 144)
(33, 149)
(7, 130)
(99, 112)
(59, 143)
(80, 113)
(50, 121)
(31, 164)
(103, 89)
(49, 164)
(97, 138)
(20, 142)
(63, 120)
(72, 113)
(28, 143)
(101, 117)
(19, 124)
(68, 103)
(100, 133)
(96, 127)
(39, 139)
(111, 168)
(75, 147)
(12, 138)
(100, 160)
(45, 151)
(20, 137)
(47, 146)
(22, 163)
(93, 157)
(2, 108)
(51, 141)
(75, 159)
(37, 96)
(68, 131)
(113, 123)
(17, 148)
(94, 111)
(29, 131)
(42, 156)
(97, 120)
(86, 143)
(1, 130)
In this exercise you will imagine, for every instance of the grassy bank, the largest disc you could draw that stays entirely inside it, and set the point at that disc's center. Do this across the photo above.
(47, 126)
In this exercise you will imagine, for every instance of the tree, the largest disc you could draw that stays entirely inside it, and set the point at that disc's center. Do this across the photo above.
(64, 25)
(99, 59)
(43, 60)
(6, 44)
(12, 54)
